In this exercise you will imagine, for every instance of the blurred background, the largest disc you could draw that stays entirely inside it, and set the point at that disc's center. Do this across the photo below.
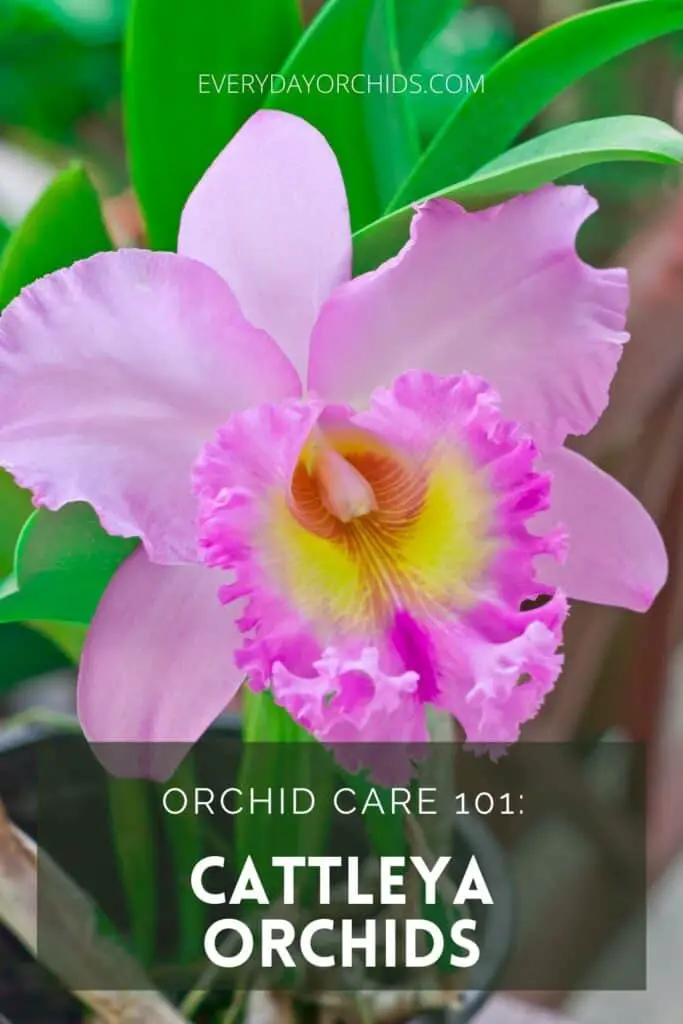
(60, 99)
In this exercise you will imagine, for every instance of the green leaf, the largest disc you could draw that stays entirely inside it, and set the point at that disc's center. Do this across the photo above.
(525, 81)
(175, 125)
(385, 830)
(333, 45)
(63, 564)
(529, 166)
(269, 761)
(25, 654)
(15, 508)
(68, 636)
(454, 62)
(65, 225)
(568, 149)
(185, 838)
(264, 721)
(131, 816)
(391, 128)
(418, 21)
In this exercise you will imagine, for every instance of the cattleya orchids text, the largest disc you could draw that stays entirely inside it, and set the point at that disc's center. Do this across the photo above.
(350, 491)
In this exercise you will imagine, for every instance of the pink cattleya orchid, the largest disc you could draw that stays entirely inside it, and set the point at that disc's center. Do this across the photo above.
(369, 473)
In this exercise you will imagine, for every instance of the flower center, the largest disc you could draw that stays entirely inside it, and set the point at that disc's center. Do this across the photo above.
(373, 529)
(342, 489)
(348, 485)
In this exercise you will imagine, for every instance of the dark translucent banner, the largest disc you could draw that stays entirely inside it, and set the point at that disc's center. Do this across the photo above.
(269, 866)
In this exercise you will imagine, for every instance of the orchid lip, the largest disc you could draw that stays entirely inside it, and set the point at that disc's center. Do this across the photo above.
(361, 623)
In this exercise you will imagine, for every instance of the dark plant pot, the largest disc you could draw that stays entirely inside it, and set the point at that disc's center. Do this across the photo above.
(28, 995)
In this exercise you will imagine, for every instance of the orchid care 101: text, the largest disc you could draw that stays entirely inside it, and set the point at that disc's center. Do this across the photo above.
(422, 800)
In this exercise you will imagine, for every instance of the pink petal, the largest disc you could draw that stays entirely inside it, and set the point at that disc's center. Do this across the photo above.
(616, 554)
(157, 665)
(500, 293)
(513, 662)
(366, 716)
(112, 375)
(271, 216)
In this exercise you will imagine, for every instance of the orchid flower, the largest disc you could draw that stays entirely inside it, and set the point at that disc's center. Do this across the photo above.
(351, 491)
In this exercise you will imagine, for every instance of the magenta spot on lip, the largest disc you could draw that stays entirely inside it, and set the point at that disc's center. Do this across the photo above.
(413, 646)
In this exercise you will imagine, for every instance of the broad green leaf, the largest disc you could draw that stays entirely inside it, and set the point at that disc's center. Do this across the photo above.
(25, 654)
(528, 166)
(177, 121)
(64, 562)
(391, 127)
(525, 81)
(65, 225)
(269, 760)
(418, 21)
(310, 86)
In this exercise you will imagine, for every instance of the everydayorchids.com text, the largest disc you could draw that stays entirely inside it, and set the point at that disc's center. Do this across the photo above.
(231, 84)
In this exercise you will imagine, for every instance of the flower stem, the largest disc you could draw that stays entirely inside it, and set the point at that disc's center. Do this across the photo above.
(438, 772)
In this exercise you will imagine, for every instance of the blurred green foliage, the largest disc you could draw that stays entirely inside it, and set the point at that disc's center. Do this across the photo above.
(470, 44)
(418, 23)
(24, 654)
(93, 21)
(57, 67)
